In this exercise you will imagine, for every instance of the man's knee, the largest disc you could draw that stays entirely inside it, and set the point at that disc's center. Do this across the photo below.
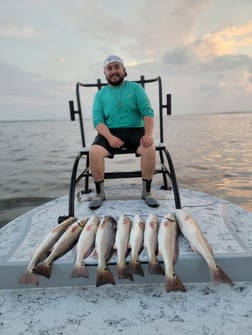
(146, 151)
(97, 151)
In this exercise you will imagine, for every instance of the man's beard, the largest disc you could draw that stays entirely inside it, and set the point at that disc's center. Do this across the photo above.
(118, 82)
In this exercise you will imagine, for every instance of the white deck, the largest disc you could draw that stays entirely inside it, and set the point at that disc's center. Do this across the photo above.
(77, 306)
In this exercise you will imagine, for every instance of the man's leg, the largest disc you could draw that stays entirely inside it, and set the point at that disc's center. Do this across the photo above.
(97, 155)
(148, 163)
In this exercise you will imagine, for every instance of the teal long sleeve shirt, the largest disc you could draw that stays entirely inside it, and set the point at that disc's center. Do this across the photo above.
(121, 106)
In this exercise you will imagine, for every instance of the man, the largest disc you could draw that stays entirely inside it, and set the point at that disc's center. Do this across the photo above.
(123, 117)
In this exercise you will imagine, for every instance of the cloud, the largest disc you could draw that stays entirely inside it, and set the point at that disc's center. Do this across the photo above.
(60, 59)
(27, 96)
(140, 30)
(227, 41)
(18, 31)
(178, 56)
(59, 43)
(15, 82)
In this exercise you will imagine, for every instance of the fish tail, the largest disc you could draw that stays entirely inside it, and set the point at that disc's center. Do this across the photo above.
(29, 277)
(219, 276)
(155, 268)
(104, 276)
(135, 267)
(174, 283)
(80, 270)
(44, 269)
(121, 273)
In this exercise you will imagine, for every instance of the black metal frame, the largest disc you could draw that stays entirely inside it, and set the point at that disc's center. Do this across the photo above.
(166, 171)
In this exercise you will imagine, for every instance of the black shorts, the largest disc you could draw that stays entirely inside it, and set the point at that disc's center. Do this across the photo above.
(130, 136)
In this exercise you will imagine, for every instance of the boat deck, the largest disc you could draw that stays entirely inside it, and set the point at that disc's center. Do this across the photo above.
(227, 227)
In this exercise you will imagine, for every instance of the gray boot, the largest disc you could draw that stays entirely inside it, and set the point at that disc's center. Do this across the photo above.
(146, 194)
(99, 197)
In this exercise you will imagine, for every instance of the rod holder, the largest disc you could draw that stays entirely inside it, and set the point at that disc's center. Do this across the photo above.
(168, 104)
(72, 111)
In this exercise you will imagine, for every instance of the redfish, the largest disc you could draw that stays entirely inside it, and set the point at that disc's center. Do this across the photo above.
(151, 243)
(104, 241)
(121, 245)
(168, 248)
(191, 231)
(62, 246)
(85, 246)
(29, 276)
(136, 245)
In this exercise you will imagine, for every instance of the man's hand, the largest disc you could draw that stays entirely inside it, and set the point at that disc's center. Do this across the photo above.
(115, 142)
(147, 141)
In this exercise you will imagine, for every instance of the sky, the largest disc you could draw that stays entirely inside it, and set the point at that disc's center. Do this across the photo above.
(202, 49)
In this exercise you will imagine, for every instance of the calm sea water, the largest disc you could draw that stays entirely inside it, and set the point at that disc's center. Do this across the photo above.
(211, 153)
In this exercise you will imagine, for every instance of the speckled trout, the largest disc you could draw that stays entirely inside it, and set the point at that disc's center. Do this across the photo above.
(191, 231)
(29, 276)
(61, 247)
(168, 248)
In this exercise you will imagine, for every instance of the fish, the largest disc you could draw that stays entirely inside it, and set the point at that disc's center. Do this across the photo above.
(151, 244)
(62, 246)
(121, 245)
(85, 246)
(191, 231)
(168, 248)
(104, 241)
(136, 245)
(29, 276)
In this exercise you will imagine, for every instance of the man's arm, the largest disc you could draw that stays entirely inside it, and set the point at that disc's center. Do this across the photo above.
(114, 141)
(147, 140)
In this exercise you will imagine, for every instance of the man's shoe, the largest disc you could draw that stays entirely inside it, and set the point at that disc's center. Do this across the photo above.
(150, 200)
(96, 202)
(146, 194)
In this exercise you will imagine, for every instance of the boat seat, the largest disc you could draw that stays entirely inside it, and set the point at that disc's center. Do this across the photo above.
(164, 165)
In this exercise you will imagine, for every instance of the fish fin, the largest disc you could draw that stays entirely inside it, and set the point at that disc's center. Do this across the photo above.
(89, 252)
(44, 269)
(104, 276)
(155, 268)
(121, 273)
(135, 267)
(29, 277)
(94, 254)
(174, 284)
(80, 270)
(219, 276)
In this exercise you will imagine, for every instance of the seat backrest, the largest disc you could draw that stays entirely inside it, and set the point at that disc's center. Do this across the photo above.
(99, 84)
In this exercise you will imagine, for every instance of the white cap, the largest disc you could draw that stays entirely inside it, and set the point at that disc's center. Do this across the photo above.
(112, 59)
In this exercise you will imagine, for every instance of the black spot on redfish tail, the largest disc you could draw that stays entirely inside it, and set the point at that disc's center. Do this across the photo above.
(220, 277)
(155, 268)
(104, 276)
(121, 273)
(174, 284)
(44, 269)
(29, 278)
(135, 267)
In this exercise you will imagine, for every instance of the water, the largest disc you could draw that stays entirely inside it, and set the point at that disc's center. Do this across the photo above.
(211, 153)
